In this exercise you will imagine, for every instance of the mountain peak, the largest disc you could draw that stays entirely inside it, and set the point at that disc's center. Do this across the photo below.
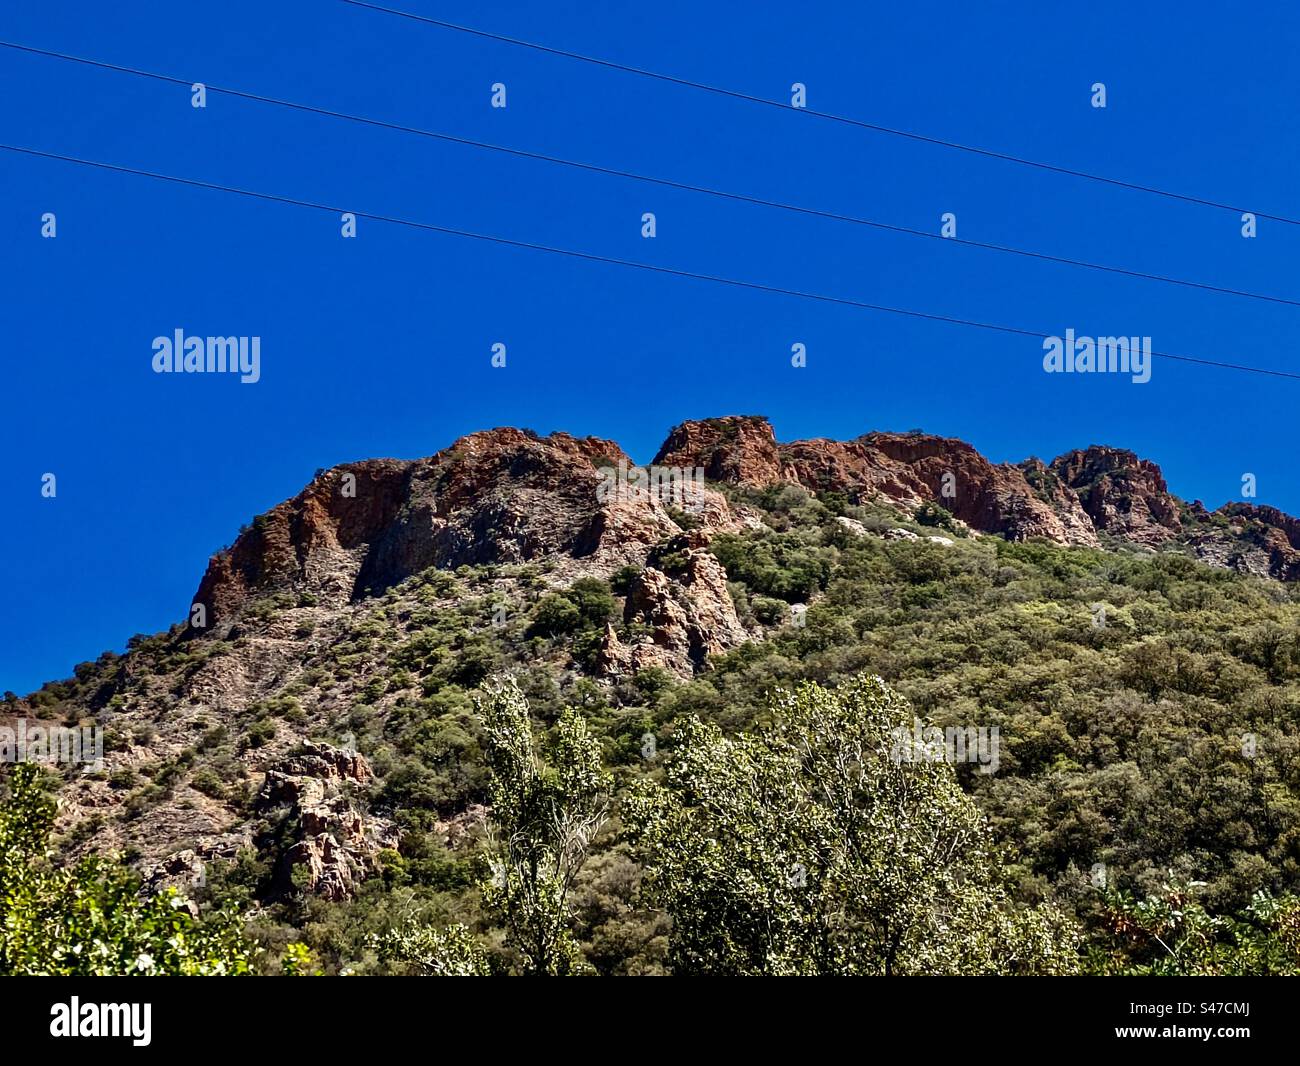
(736, 449)
(1123, 495)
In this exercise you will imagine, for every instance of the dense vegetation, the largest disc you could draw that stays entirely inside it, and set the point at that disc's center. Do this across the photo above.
(1147, 796)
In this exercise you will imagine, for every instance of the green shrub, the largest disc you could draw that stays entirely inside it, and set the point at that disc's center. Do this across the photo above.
(593, 599)
(554, 616)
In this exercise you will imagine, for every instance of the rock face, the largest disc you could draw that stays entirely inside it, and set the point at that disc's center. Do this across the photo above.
(1267, 542)
(501, 496)
(1076, 499)
(1122, 494)
(334, 844)
(690, 612)
(906, 469)
(737, 449)
(1078, 526)
(987, 497)
(317, 540)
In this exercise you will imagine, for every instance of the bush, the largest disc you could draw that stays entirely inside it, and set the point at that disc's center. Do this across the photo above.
(554, 616)
(593, 599)
(260, 733)
(780, 565)
(931, 514)
(621, 582)
(207, 782)
(769, 611)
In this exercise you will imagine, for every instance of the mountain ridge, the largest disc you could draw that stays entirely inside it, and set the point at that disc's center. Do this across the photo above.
(507, 495)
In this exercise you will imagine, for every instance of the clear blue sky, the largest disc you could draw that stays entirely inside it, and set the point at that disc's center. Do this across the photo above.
(380, 346)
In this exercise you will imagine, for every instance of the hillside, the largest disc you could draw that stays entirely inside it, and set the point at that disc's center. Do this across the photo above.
(305, 741)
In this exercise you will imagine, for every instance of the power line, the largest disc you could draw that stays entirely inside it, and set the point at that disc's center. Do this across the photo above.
(653, 180)
(608, 260)
(828, 115)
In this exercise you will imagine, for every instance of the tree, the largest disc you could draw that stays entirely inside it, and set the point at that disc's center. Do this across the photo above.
(545, 813)
(544, 816)
(811, 849)
(89, 920)
(593, 598)
(554, 616)
(448, 952)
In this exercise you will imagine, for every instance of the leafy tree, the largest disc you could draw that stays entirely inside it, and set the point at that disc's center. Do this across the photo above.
(449, 952)
(811, 849)
(545, 812)
(544, 816)
(89, 920)
(593, 598)
(1172, 934)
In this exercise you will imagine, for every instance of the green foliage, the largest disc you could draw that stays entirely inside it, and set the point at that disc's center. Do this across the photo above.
(593, 598)
(586, 604)
(621, 582)
(259, 733)
(1163, 740)
(784, 565)
(297, 962)
(931, 514)
(554, 616)
(89, 920)
(809, 849)
(769, 611)
(452, 951)
(209, 783)
(545, 813)
(1172, 934)
(544, 816)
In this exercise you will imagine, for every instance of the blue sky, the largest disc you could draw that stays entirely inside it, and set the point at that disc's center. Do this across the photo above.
(380, 346)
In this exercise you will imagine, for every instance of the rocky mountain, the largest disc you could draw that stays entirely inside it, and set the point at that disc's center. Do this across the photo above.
(509, 496)
(334, 610)
(1080, 498)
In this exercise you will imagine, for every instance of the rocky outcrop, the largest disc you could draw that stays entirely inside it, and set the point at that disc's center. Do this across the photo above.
(334, 845)
(508, 496)
(987, 497)
(1123, 495)
(903, 469)
(683, 599)
(315, 541)
(1048, 487)
(735, 449)
(500, 496)
(183, 871)
(1265, 541)
(1074, 500)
